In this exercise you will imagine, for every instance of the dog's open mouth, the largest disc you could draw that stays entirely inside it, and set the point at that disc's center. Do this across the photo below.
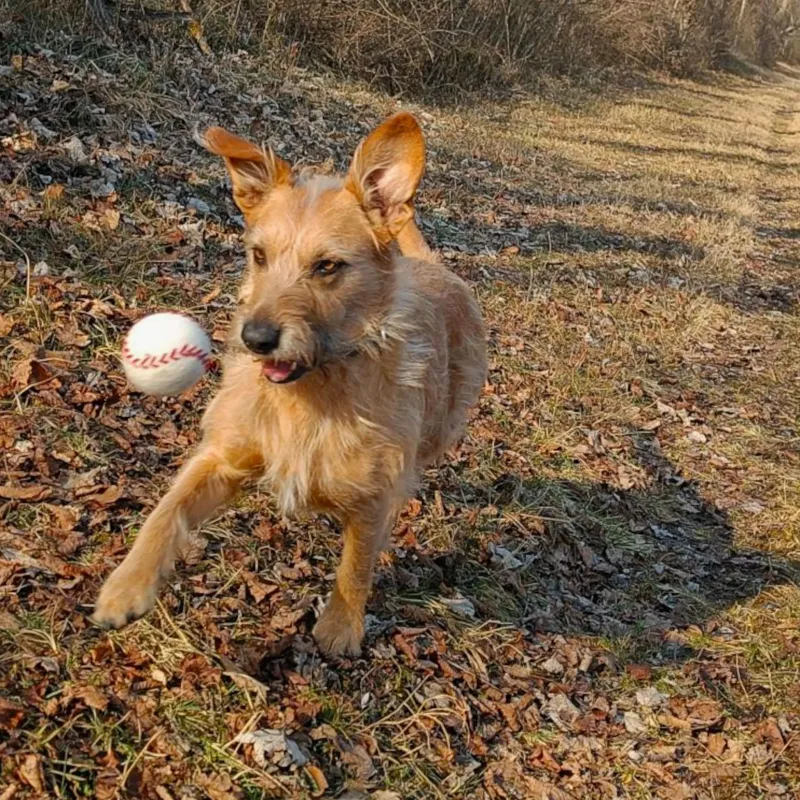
(283, 371)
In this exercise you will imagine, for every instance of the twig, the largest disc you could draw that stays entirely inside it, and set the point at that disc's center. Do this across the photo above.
(27, 266)
(196, 29)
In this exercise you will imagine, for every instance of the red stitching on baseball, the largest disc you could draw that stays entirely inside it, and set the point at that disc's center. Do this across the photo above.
(150, 361)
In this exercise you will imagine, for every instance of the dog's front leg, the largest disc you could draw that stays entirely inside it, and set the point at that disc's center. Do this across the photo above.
(340, 628)
(204, 483)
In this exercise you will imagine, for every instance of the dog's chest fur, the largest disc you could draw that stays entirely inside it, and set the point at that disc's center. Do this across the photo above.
(318, 462)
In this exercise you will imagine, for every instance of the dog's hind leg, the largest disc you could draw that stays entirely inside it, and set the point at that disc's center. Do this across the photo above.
(204, 483)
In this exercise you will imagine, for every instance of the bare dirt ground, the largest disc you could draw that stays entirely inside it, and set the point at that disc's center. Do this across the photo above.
(593, 597)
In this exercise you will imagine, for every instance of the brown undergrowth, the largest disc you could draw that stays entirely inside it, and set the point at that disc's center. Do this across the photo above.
(594, 596)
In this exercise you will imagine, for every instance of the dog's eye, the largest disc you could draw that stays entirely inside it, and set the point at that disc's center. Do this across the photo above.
(327, 266)
(259, 256)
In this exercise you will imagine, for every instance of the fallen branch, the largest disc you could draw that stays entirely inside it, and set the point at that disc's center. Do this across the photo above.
(196, 29)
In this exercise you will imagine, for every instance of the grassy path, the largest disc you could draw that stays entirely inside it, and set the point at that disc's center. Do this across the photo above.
(594, 597)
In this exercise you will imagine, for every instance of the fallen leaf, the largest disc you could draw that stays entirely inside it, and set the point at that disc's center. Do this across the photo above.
(11, 714)
(562, 711)
(553, 666)
(317, 777)
(359, 759)
(55, 191)
(31, 773)
(650, 697)
(258, 588)
(29, 372)
(111, 217)
(504, 557)
(193, 548)
(218, 786)
(92, 697)
(7, 323)
(107, 497)
(634, 723)
(212, 295)
(285, 618)
(670, 721)
(459, 605)
(640, 672)
(273, 746)
(758, 754)
(65, 517)
(8, 622)
(715, 744)
(72, 336)
(35, 492)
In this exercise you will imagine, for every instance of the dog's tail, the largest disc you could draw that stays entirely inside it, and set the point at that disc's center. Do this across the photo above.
(412, 243)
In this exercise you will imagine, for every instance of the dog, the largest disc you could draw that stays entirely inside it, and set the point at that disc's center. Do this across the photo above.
(353, 361)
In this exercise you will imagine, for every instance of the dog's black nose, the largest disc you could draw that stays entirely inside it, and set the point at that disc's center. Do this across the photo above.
(261, 337)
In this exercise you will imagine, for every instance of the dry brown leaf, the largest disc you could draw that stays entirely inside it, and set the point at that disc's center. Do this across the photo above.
(55, 191)
(11, 714)
(218, 787)
(65, 517)
(715, 744)
(318, 779)
(111, 217)
(212, 295)
(258, 588)
(92, 697)
(670, 721)
(31, 773)
(72, 336)
(35, 492)
(193, 549)
(107, 497)
(359, 759)
(639, 672)
(29, 372)
(285, 618)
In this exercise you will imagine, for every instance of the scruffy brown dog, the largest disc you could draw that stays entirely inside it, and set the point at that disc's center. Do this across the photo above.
(352, 363)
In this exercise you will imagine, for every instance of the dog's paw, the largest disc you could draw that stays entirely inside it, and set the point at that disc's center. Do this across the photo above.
(339, 630)
(123, 599)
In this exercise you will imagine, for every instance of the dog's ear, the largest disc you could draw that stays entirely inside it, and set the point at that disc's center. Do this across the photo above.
(386, 170)
(254, 171)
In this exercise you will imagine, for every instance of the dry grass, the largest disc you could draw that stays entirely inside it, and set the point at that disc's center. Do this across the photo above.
(443, 48)
(635, 455)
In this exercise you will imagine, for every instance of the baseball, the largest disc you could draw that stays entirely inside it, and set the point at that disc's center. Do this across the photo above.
(164, 354)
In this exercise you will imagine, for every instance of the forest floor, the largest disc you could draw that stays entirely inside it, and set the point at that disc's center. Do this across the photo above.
(594, 596)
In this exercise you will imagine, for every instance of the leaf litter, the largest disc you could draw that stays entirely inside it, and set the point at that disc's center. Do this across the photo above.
(593, 596)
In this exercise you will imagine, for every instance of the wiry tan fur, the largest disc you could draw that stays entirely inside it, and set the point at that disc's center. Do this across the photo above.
(395, 352)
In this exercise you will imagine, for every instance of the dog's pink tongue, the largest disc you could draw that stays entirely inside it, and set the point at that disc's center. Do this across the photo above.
(277, 370)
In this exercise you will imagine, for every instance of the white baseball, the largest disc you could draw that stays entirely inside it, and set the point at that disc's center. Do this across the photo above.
(164, 354)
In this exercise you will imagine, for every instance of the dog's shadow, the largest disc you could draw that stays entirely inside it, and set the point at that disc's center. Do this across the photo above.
(582, 559)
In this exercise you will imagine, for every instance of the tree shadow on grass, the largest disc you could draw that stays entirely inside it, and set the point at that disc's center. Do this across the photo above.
(552, 237)
(592, 560)
(485, 189)
(651, 149)
(701, 115)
